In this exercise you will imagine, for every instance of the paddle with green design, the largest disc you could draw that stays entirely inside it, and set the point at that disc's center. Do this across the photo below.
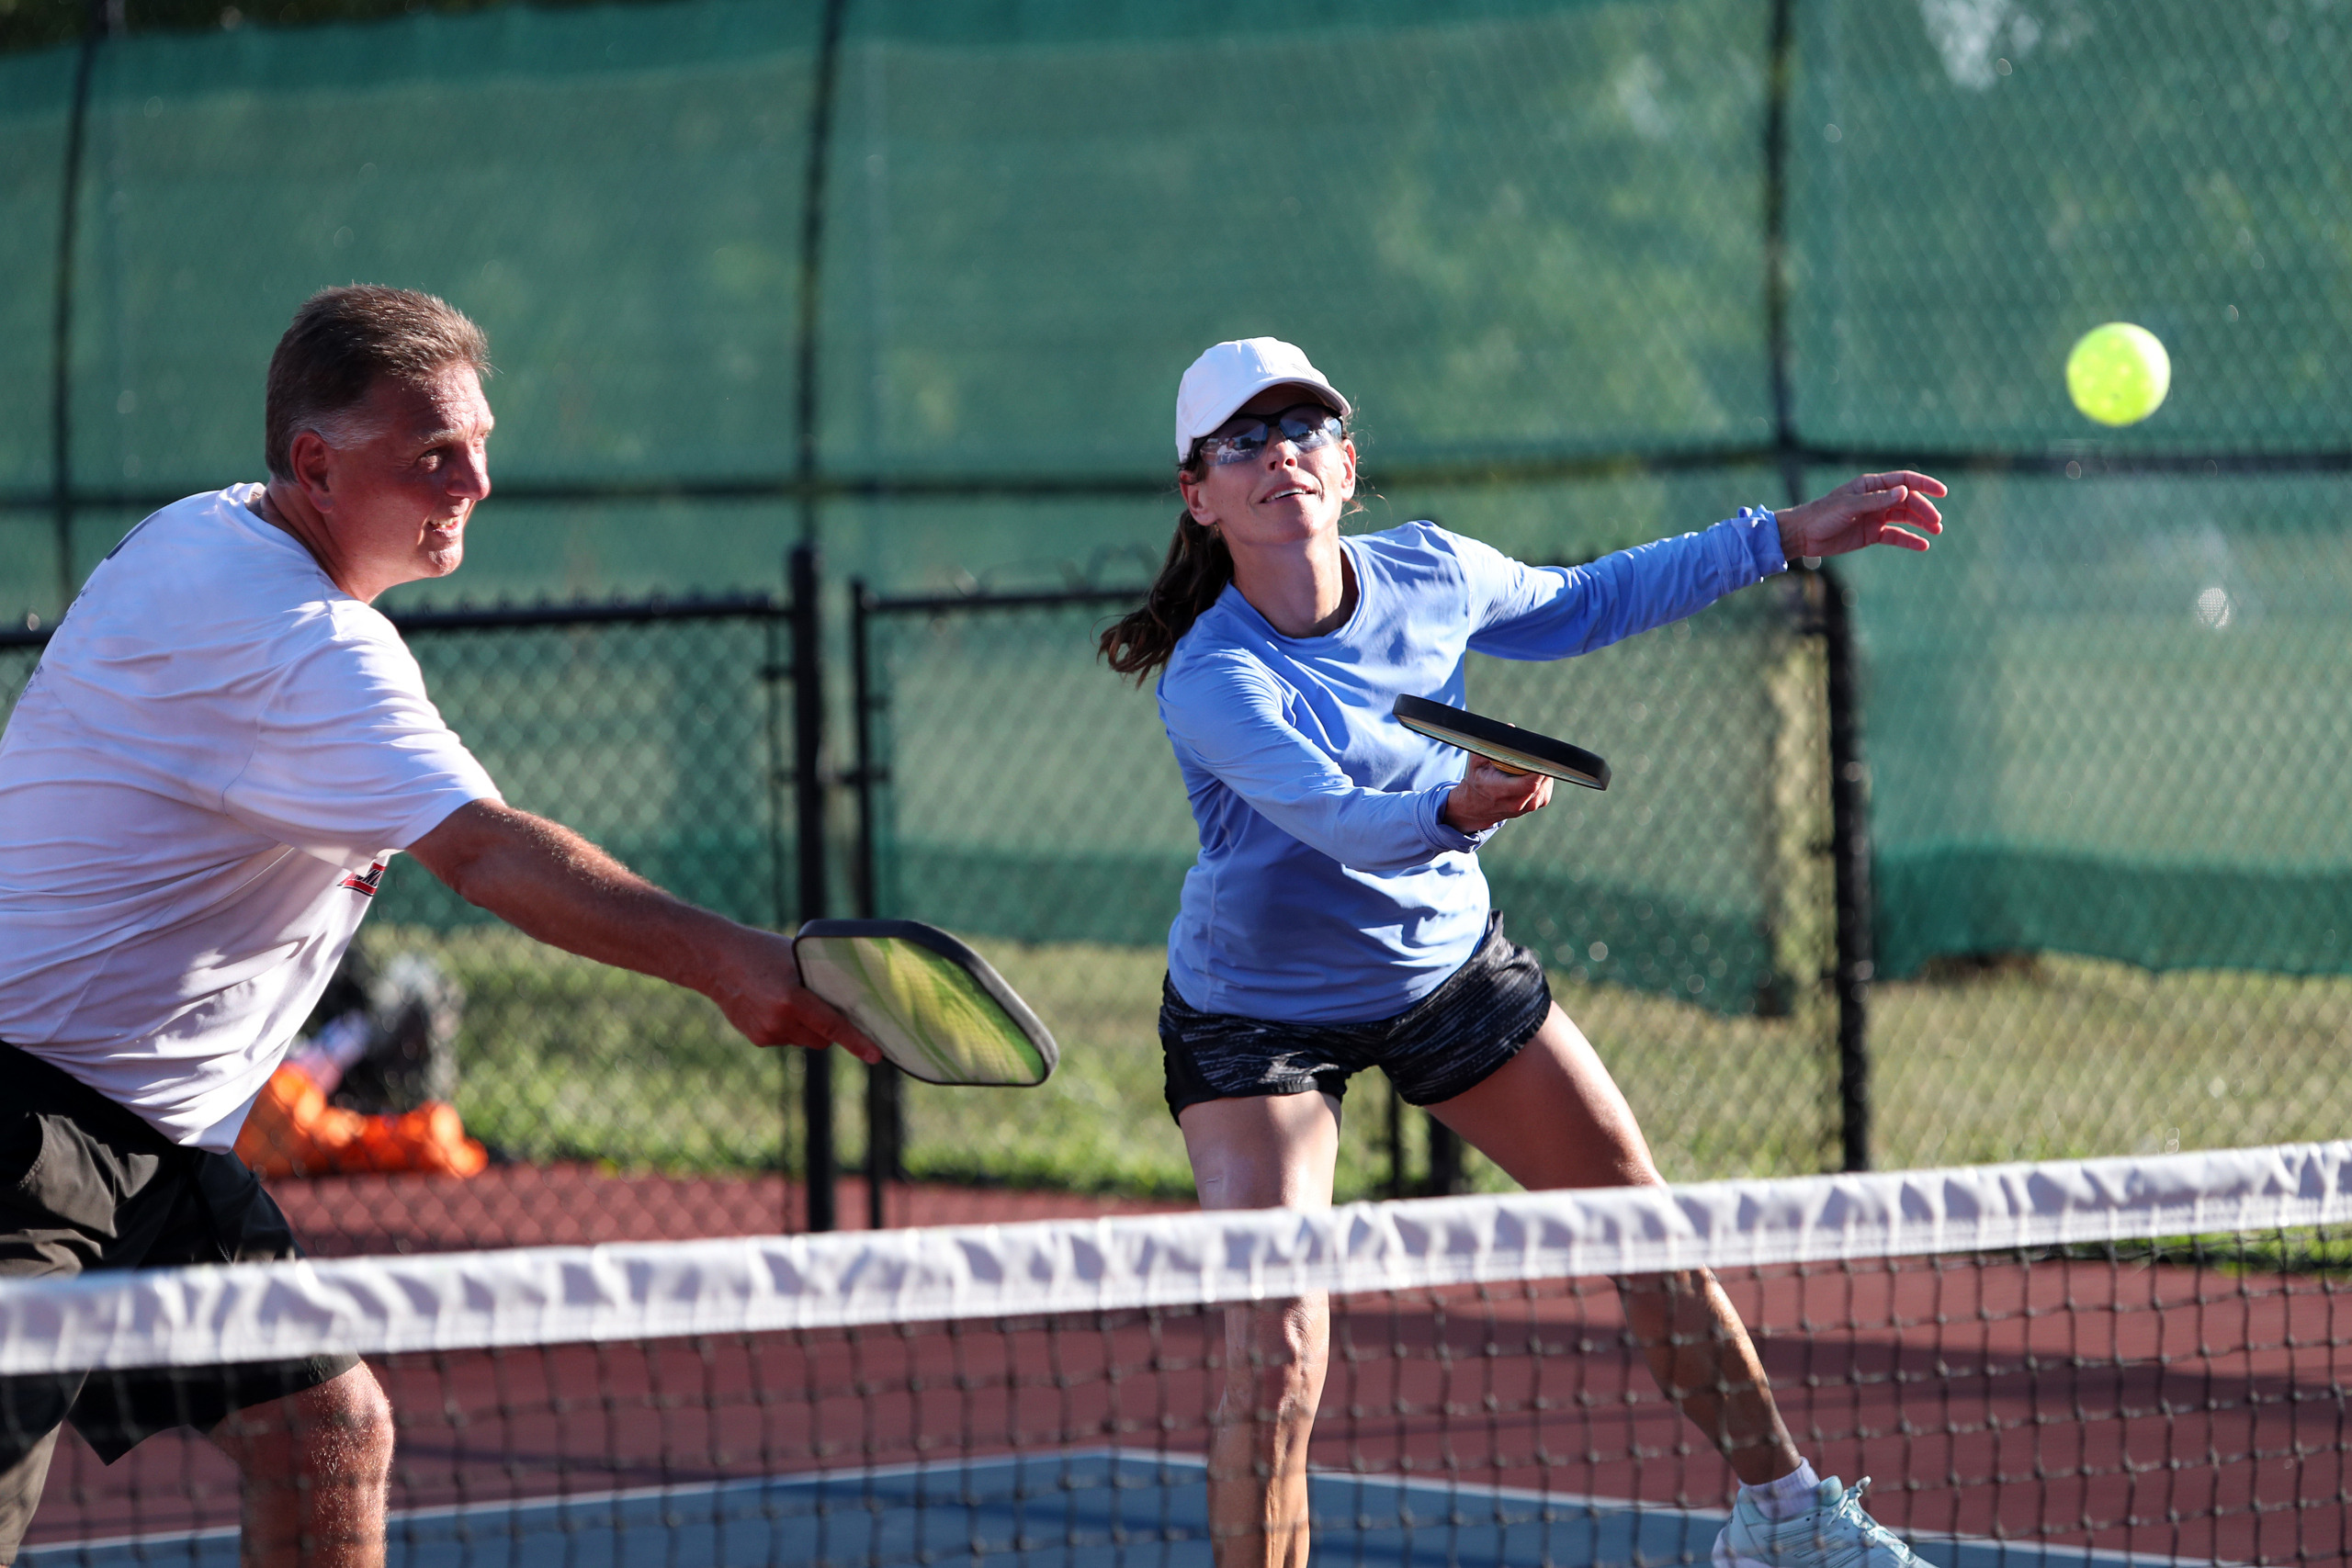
(934, 1006)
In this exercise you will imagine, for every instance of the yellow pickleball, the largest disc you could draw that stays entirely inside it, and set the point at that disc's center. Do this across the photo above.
(2117, 372)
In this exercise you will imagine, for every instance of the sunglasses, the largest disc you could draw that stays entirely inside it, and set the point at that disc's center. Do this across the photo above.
(1307, 426)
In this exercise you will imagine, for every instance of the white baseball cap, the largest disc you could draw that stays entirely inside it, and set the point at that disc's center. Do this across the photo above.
(1231, 374)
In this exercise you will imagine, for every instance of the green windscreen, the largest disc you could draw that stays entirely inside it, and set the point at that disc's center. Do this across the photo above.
(2104, 717)
(1521, 232)
(2110, 722)
(1517, 229)
(1973, 183)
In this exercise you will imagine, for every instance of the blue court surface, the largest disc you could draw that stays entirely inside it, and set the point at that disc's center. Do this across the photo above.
(1089, 1509)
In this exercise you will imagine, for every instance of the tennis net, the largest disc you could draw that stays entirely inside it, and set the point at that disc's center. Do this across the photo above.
(2122, 1360)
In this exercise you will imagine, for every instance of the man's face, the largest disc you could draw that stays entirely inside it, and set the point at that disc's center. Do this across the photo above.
(395, 504)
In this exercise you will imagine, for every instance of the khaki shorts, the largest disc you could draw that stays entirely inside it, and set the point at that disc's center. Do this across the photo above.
(86, 1185)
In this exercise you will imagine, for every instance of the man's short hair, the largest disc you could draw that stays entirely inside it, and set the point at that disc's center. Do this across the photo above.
(341, 341)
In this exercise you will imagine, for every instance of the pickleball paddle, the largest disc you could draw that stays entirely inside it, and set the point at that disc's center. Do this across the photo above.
(1506, 745)
(935, 1008)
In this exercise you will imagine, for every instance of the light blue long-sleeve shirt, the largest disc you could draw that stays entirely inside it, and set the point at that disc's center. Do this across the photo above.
(1328, 890)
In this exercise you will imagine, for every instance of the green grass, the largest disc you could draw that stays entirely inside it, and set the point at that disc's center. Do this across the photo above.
(2056, 1057)
(2306, 1250)
(1100, 1123)
(564, 1059)
(561, 1059)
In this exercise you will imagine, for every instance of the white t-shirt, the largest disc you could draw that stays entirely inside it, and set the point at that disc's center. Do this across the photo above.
(199, 791)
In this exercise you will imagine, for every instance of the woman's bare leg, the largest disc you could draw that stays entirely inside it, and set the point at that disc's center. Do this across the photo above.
(1552, 1117)
(1274, 1152)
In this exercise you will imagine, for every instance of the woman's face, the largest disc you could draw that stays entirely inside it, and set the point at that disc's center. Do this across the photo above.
(1280, 494)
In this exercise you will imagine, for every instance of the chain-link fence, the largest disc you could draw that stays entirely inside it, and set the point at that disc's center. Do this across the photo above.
(918, 281)
(1003, 783)
(2113, 864)
(611, 1104)
(1019, 793)
(659, 733)
(2028, 1003)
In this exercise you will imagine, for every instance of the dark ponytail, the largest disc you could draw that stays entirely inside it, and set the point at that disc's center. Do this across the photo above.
(1196, 570)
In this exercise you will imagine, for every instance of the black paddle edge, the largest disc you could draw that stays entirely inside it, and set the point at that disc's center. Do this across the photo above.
(972, 963)
(1589, 770)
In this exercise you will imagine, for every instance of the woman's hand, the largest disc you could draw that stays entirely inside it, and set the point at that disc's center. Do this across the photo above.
(1489, 793)
(1869, 511)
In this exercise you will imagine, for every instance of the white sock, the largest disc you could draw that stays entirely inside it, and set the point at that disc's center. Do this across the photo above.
(1795, 1492)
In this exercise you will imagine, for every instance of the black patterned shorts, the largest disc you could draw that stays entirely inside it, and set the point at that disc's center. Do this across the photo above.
(87, 1185)
(1448, 1042)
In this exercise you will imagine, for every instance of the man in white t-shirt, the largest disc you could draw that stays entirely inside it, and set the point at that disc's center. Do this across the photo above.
(199, 789)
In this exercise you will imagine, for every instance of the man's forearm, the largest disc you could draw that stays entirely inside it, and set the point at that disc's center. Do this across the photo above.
(548, 882)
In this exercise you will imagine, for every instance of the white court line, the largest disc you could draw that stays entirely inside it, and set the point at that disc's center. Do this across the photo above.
(1524, 1495)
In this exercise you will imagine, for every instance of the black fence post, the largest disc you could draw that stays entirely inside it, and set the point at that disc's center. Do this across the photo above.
(885, 1159)
(1850, 835)
(104, 17)
(1398, 1183)
(886, 1123)
(775, 680)
(1849, 814)
(1445, 1159)
(808, 840)
(808, 686)
(812, 256)
(1780, 76)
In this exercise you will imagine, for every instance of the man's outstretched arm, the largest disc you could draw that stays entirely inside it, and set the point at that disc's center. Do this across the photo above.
(548, 882)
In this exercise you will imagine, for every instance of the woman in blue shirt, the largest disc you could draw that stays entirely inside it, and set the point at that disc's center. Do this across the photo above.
(1337, 918)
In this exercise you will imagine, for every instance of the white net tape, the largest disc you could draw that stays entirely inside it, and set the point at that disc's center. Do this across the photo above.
(557, 1295)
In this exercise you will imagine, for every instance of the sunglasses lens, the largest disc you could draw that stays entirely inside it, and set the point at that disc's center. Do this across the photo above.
(1309, 428)
(1310, 432)
(1235, 446)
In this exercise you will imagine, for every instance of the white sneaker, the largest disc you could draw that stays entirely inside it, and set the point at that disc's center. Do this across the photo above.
(1836, 1533)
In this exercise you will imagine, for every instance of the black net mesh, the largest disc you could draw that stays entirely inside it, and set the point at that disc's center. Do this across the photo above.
(1496, 1386)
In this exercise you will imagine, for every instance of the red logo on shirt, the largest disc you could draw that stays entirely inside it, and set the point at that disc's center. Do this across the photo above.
(366, 885)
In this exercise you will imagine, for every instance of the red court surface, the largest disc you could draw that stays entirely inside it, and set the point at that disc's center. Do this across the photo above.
(569, 1205)
(2154, 1409)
